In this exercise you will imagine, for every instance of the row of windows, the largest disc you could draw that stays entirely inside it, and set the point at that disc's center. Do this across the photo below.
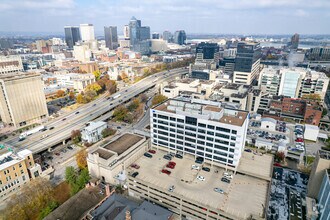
(212, 127)
(8, 186)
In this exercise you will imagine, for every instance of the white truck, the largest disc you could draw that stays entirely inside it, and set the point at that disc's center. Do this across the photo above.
(30, 132)
(116, 96)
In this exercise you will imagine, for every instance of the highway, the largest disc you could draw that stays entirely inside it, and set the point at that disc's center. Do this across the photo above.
(77, 119)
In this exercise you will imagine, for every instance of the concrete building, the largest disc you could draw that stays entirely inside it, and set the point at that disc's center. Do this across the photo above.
(22, 99)
(293, 82)
(75, 80)
(311, 132)
(319, 167)
(110, 161)
(16, 170)
(87, 32)
(158, 45)
(167, 36)
(93, 132)
(247, 62)
(10, 64)
(116, 71)
(82, 53)
(201, 128)
(319, 54)
(268, 123)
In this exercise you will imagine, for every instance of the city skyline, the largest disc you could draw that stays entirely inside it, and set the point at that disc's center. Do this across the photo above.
(237, 17)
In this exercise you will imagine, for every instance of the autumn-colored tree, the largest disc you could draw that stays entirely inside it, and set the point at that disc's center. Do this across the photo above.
(71, 95)
(133, 105)
(279, 156)
(111, 86)
(81, 158)
(60, 93)
(94, 87)
(143, 97)
(120, 113)
(97, 74)
(102, 83)
(158, 99)
(90, 95)
(123, 75)
(32, 199)
(313, 96)
(80, 99)
(107, 132)
(138, 112)
(76, 136)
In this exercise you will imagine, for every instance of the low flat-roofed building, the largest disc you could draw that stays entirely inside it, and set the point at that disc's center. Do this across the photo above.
(16, 170)
(190, 198)
(109, 162)
(10, 65)
(93, 132)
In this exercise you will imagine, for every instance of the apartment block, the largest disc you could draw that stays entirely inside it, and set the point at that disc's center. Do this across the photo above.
(16, 169)
(201, 128)
(22, 99)
(293, 82)
(10, 65)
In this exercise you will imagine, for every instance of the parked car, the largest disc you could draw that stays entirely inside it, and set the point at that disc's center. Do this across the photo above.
(167, 157)
(171, 188)
(227, 175)
(57, 154)
(166, 171)
(70, 148)
(51, 128)
(178, 156)
(135, 174)
(172, 162)
(63, 119)
(77, 113)
(206, 169)
(224, 179)
(201, 178)
(147, 155)
(134, 165)
(218, 190)
(248, 150)
(171, 166)
(152, 151)
(194, 167)
(199, 160)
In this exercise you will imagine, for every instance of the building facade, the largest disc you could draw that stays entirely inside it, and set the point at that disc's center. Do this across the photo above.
(10, 64)
(324, 197)
(93, 132)
(167, 36)
(87, 32)
(72, 35)
(111, 37)
(201, 128)
(16, 169)
(22, 99)
(207, 52)
(180, 37)
(247, 62)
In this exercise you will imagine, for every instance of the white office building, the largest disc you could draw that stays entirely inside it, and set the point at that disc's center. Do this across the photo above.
(201, 128)
(87, 32)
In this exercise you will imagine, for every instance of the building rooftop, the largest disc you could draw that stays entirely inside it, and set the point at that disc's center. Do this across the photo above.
(94, 125)
(183, 178)
(104, 154)
(8, 159)
(18, 76)
(203, 107)
(324, 154)
(123, 143)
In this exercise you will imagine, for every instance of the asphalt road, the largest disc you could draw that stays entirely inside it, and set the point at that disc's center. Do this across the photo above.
(64, 124)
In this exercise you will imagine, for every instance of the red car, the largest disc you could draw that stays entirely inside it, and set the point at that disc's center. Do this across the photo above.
(134, 165)
(170, 166)
(166, 171)
(152, 151)
(171, 162)
(299, 140)
(277, 165)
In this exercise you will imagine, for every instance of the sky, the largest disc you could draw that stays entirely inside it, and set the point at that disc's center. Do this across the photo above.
(193, 16)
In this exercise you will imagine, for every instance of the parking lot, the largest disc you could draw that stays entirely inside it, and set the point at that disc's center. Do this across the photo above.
(287, 197)
(186, 182)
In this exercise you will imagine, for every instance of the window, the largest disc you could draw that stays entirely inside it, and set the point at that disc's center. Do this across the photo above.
(190, 139)
(200, 142)
(233, 138)
(222, 135)
(22, 171)
(201, 137)
(179, 142)
(234, 132)
(190, 134)
(190, 128)
(172, 119)
(163, 117)
(179, 137)
(180, 120)
(210, 127)
(210, 133)
(201, 131)
(223, 130)
(209, 139)
(191, 120)
(201, 125)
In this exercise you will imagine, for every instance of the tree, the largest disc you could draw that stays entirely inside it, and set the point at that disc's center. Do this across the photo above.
(120, 113)
(70, 175)
(315, 97)
(90, 95)
(71, 95)
(76, 180)
(143, 97)
(76, 136)
(80, 99)
(111, 86)
(52, 205)
(123, 75)
(97, 74)
(133, 105)
(60, 93)
(158, 99)
(94, 87)
(324, 112)
(279, 156)
(107, 132)
(81, 158)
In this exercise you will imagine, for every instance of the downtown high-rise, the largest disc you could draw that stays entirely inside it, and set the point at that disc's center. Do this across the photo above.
(111, 37)
(72, 35)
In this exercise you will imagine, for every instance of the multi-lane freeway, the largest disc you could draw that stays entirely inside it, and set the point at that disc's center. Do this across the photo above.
(60, 129)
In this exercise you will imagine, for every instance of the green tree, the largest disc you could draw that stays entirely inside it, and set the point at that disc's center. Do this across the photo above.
(158, 99)
(107, 132)
(70, 175)
(90, 95)
(133, 105)
(76, 136)
(52, 205)
(120, 113)
(97, 74)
